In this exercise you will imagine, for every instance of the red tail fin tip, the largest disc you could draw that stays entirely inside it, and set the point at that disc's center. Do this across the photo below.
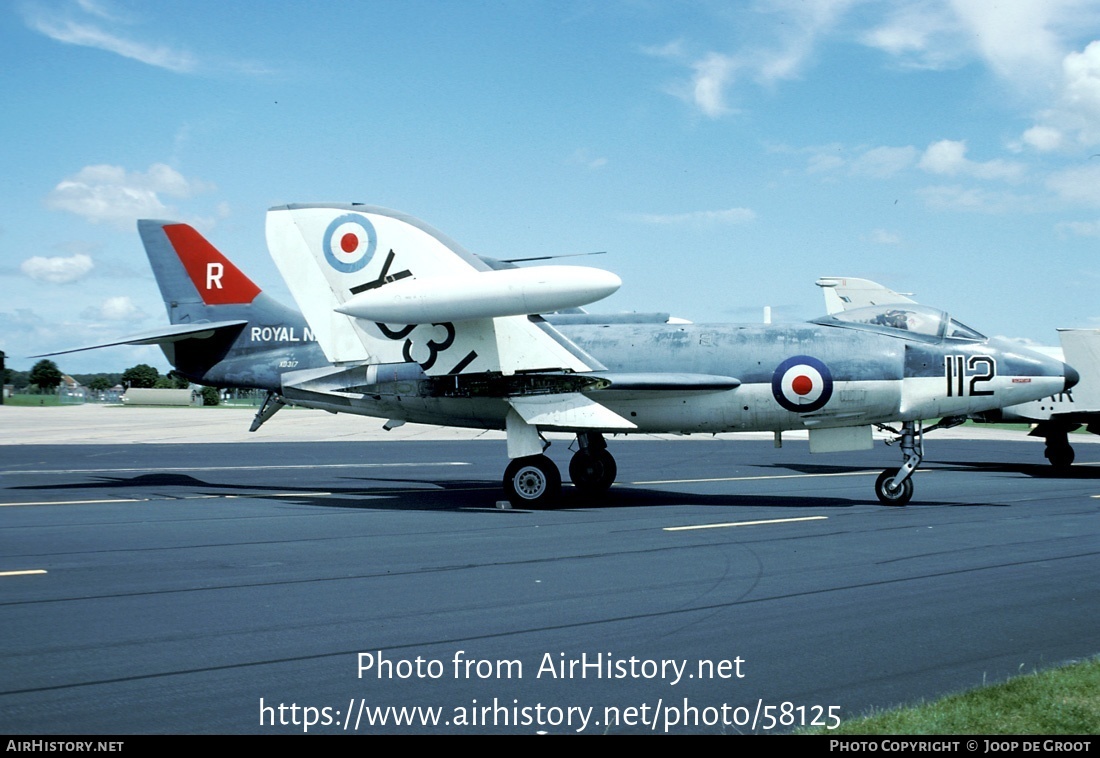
(217, 280)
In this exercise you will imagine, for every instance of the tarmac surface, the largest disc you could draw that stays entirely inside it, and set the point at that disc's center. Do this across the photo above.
(321, 579)
(116, 424)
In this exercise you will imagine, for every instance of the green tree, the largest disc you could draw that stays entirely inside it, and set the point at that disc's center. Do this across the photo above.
(45, 375)
(210, 396)
(179, 381)
(141, 375)
(99, 384)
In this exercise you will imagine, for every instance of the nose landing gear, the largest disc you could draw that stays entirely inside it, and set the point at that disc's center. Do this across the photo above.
(894, 486)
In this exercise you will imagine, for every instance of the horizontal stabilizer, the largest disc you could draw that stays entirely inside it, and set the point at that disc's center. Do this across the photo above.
(162, 336)
(567, 411)
(668, 382)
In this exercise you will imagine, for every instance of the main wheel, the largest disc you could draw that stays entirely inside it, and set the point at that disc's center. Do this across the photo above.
(592, 472)
(532, 482)
(1060, 456)
(888, 495)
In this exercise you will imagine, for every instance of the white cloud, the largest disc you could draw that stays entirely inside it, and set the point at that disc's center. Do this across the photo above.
(948, 157)
(1018, 39)
(1078, 229)
(87, 34)
(58, 269)
(919, 35)
(713, 74)
(100, 9)
(971, 199)
(121, 308)
(882, 162)
(728, 216)
(883, 237)
(1044, 138)
(1073, 119)
(820, 163)
(582, 157)
(114, 195)
(1082, 72)
(1078, 185)
(944, 157)
(95, 24)
(799, 27)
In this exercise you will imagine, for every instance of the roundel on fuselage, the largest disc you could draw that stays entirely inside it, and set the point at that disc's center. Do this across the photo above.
(349, 243)
(802, 384)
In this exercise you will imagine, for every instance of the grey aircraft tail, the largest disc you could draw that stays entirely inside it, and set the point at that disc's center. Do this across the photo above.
(225, 331)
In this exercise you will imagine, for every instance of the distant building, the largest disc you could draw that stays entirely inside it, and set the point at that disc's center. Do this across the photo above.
(71, 391)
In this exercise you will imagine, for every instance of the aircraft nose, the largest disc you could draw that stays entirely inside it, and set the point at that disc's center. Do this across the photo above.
(1072, 377)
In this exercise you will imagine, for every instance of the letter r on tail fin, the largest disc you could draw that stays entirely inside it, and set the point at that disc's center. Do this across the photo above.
(215, 279)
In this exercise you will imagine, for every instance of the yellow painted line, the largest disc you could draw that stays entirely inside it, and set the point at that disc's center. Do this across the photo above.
(744, 523)
(28, 572)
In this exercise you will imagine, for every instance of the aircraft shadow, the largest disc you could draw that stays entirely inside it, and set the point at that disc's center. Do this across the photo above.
(1033, 470)
(470, 494)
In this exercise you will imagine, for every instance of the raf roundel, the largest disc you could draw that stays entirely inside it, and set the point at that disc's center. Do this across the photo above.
(349, 243)
(802, 384)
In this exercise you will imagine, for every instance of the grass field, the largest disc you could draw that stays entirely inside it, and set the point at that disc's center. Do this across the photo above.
(1060, 701)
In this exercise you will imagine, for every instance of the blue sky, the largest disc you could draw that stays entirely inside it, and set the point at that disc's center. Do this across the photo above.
(724, 154)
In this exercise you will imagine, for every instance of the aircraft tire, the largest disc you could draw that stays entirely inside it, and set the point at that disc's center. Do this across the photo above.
(532, 482)
(897, 497)
(1060, 456)
(592, 472)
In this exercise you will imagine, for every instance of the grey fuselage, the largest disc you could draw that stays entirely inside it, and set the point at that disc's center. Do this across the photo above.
(874, 375)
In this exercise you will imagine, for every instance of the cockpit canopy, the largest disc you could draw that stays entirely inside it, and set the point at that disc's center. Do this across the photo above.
(910, 318)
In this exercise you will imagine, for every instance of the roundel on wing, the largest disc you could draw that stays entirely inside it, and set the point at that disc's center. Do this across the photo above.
(802, 384)
(349, 243)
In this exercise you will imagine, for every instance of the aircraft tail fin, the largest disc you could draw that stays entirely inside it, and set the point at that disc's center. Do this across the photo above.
(222, 322)
(192, 273)
(846, 293)
(1081, 349)
(377, 286)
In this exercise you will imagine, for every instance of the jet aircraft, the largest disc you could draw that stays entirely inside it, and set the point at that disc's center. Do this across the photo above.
(1053, 417)
(399, 322)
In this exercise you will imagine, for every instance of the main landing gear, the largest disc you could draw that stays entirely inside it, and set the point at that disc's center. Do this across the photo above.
(534, 481)
(894, 486)
(1058, 450)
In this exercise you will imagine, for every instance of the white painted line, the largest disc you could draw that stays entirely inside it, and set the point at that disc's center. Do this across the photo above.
(227, 496)
(74, 502)
(161, 470)
(743, 523)
(28, 572)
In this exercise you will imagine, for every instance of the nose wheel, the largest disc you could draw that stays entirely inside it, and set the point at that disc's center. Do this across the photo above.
(894, 485)
(890, 493)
